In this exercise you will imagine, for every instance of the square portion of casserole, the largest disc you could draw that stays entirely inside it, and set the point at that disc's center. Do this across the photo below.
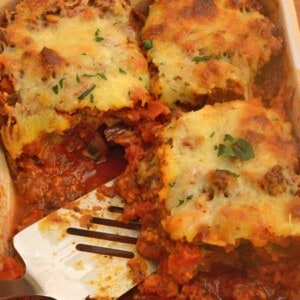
(205, 50)
(61, 60)
(229, 174)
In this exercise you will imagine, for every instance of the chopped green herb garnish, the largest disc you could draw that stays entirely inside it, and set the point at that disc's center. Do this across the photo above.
(86, 93)
(229, 138)
(148, 44)
(171, 184)
(180, 202)
(55, 89)
(58, 86)
(98, 37)
(212, 134)
(77, 78)
(122, 71)
(225, 150)
(83, 53)
(61, 82)
(92, 98)
(101, 75)
(235, 147)
(243, 149)
(202, 58)
(229, 172)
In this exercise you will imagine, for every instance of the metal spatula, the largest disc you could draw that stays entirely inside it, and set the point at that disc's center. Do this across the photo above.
(80, 251)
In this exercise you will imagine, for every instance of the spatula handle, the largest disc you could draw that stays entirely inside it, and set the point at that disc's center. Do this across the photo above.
(18, 288)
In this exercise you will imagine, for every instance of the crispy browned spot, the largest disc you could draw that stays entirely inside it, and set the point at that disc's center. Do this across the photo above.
(221, 179)
(200, 9)
(273, 181)
(50, 60)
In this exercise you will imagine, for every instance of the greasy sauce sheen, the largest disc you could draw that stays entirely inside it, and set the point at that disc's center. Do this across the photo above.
(28, 211)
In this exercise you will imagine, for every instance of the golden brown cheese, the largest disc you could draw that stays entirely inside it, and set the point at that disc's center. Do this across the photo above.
(204, 47)
(219, 199)
(64, 59)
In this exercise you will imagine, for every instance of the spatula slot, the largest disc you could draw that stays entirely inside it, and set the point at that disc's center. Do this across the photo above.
(116, 209)
(102, 235)
(105, 251)
(115, 223)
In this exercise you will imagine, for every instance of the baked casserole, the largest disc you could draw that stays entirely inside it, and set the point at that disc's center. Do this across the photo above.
(186, 103)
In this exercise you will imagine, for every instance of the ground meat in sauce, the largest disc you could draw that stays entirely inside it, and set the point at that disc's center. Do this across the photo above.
(207, 272)
(273, 181)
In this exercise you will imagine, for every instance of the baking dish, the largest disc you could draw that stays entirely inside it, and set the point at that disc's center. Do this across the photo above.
(283, 14)
(287, 18)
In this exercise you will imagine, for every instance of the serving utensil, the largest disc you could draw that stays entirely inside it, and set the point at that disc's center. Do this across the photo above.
(79, 252)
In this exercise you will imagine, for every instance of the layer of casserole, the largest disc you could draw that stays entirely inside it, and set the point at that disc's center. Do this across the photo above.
(217, 193)
(186, 102)
(61, 58)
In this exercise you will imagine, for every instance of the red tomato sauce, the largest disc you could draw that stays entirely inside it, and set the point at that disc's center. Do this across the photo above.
(48, 178)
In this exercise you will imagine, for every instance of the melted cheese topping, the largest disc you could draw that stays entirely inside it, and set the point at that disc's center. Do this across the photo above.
(76, 62)
(219, 199)
(218, 47)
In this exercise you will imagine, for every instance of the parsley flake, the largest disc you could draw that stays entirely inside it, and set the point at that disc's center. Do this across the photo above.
(203, 58)
(122, 71)
(101, 75)
(92, 98)
(189, 197)
(61, 82)
(229, 172)
(225, 150)
(243, 150)
(98, 37)
(148, 44)
(180, 202)
(58, 86)
(86, 93)
(235, 147)
(55, 89)
(229, 138)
